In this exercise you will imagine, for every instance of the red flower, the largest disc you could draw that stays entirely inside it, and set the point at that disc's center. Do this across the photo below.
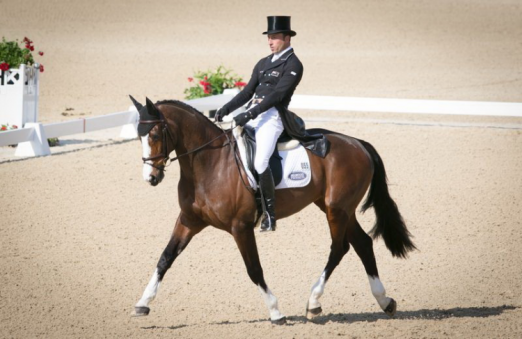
(4, 66)
(206, 78)
(190, 79)
(3, 128)
(207, 90)
(15, 127)
(240, 84)
(41, 53)
(31, 48)
(204, 83)
(41, 68)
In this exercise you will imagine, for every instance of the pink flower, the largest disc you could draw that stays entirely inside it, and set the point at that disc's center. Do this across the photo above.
(15, 127)
(190, 79)
(4, 66)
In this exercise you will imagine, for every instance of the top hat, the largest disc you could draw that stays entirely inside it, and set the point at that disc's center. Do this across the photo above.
(279, 24)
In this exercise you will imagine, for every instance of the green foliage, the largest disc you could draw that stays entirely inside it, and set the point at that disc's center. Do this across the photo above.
(12, 55)
(212, 82)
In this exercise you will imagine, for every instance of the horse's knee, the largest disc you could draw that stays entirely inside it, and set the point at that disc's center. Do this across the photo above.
(346, 246)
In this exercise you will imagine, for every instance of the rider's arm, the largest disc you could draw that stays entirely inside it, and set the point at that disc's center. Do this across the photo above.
(286, 86)
(245, 95)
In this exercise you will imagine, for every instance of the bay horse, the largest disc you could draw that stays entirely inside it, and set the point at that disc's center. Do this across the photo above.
(212, 191)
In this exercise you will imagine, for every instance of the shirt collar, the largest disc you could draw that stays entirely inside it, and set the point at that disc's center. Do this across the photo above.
(278, 55)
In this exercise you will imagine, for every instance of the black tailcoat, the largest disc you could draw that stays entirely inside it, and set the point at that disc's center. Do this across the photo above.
(274, 83)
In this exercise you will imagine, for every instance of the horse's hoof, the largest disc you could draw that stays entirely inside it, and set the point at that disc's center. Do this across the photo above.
(281, 321)
(141, 311)
(391, 308)
(313, 313)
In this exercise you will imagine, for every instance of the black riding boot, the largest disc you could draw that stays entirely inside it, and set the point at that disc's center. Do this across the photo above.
(266, 185)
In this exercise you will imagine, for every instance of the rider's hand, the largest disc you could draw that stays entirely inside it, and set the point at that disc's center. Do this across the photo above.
(243, 118)
(220, 113)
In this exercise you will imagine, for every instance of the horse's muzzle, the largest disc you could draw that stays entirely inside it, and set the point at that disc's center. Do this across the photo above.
(155, 180)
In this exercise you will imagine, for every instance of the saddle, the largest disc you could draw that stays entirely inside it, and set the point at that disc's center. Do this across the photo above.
(284, 143)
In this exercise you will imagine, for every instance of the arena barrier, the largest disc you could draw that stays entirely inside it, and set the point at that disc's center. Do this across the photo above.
(32, 139)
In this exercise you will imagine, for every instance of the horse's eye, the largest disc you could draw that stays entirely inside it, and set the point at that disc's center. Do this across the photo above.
(155, 137)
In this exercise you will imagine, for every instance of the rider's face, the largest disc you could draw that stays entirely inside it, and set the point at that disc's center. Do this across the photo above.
(278, 42)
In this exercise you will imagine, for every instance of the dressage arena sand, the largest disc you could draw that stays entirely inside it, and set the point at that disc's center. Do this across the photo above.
(81, 232)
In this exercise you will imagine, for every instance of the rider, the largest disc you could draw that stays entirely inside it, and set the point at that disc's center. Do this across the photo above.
(272, 85)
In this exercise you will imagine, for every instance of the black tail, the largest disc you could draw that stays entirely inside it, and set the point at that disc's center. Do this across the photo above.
(389, 223)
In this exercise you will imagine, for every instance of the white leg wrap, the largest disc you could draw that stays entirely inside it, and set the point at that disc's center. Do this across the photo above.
(317, 292)
(271, 303)
(150, 291)
(379, 292)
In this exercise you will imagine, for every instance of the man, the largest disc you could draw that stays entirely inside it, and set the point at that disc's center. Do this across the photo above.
(272, 85)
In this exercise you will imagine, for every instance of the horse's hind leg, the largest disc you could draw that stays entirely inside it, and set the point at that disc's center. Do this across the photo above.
(363, 246)
(337, 219)
(246, 242)
(180, 238)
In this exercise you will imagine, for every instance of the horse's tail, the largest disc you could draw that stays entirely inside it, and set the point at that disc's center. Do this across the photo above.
(389, 223)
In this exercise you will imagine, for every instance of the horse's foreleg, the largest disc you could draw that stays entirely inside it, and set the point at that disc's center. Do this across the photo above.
(338, 249)
(180, 238)
(363, 246)
(246, 242)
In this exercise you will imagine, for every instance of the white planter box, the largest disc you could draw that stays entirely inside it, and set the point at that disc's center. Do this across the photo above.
(19, 89)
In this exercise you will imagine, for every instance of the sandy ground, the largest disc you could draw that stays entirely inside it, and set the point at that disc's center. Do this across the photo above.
(81, 232)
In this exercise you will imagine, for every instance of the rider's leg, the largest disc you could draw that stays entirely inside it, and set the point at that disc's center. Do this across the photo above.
(268, 128)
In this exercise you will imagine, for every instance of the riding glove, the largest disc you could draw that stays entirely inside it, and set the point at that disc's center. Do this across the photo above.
(220, 113)
(243, 118)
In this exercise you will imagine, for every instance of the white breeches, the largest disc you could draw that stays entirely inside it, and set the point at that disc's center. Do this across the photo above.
(268, 126)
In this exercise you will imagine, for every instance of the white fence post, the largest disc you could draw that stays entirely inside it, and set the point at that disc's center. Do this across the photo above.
(130, 130)
(37, 145)
(19, 90)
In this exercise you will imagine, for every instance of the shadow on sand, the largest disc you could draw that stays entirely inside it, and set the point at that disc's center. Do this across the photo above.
(349, 318)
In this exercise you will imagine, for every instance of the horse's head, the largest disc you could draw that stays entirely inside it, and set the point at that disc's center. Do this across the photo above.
(154, 135)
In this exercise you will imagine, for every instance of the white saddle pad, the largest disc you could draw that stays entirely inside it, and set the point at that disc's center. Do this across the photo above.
(296, 165)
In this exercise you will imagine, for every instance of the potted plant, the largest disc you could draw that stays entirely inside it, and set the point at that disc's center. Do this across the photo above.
(212, 82)
(18, 82)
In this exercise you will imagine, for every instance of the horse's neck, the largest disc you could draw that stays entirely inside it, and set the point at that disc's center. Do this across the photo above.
(194, 131)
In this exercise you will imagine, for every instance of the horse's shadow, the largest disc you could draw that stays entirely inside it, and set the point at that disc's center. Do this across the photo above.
(350, 318)
(424, 314)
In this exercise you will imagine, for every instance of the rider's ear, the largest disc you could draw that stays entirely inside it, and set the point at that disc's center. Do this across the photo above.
(151, 108)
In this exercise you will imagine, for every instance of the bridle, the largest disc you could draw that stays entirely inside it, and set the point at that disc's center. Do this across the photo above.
(166, 134)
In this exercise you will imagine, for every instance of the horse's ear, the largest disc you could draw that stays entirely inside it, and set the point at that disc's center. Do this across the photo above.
(151, 108)
(136, 103)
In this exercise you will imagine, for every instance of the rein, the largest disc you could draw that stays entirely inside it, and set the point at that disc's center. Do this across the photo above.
(165, 153)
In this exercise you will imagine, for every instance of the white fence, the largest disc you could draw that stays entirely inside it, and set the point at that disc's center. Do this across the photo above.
(32, 139)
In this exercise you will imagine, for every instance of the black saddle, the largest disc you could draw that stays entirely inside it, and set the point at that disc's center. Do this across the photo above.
(249, 135)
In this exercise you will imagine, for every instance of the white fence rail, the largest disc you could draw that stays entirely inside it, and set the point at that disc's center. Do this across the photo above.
(32, 139)
(481, 108)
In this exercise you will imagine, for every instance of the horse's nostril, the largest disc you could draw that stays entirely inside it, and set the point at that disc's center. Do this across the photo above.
(153, 181)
